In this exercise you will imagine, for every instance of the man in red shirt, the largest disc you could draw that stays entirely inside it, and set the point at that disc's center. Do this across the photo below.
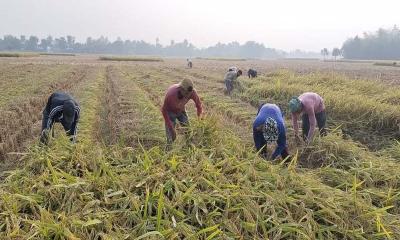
(174, 106)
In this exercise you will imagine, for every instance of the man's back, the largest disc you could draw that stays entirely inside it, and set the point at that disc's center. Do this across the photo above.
(230, 76)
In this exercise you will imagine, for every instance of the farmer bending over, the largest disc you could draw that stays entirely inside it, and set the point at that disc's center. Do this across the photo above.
(230, 77)
(269, 127)
(174, 106)
(313, 109)
(252, 73)
(62, 108)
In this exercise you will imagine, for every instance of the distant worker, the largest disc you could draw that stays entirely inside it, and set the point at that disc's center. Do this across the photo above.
(62, 108)
(189, 63)
(252, 73)
(230, 78)
(311, 105)
(269, 127)
(174, 106)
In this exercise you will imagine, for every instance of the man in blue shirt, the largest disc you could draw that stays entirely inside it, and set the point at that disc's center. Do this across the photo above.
(269, 127)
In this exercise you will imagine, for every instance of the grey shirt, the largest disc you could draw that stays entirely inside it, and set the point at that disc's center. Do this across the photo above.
(230, 76)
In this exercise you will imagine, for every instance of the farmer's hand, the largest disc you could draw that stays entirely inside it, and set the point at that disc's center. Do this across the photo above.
(44, 136)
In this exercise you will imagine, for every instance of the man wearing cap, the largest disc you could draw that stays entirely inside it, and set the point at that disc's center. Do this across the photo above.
(312, 106)
(62, 108)
(269, 127)
(230, 77)
(174, 106)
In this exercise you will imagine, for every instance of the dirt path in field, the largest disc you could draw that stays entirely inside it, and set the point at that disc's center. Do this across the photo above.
(20, 122)
(128, 116)
(108, 125)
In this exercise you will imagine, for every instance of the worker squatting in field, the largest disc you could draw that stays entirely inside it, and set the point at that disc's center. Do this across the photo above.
(269, 127)
(62, 108)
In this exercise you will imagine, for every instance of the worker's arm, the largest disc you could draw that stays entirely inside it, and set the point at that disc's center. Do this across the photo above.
(259, 108)
(74, 126)
(197, 101)
(168, 121)
(44, 135)
(313, 123)
(295, 124)
(45, 119)
(46, 112)
(259, 140)
(281, 143)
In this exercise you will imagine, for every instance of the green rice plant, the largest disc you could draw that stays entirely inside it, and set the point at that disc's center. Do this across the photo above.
(393, 151)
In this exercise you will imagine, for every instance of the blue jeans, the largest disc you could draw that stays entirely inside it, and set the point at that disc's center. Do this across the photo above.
(183, 120)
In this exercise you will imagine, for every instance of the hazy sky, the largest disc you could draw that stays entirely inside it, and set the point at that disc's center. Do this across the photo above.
(282, 24)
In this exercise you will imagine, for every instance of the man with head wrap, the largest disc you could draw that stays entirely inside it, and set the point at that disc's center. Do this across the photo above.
(62, 108)
(269, 127)
(312, 106)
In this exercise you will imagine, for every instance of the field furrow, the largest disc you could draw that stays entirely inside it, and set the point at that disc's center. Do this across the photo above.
(130, 118)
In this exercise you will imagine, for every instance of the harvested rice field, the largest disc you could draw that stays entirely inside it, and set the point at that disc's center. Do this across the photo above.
(119, 181)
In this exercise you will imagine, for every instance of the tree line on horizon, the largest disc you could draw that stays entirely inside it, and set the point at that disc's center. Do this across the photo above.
(103, 45)
(384, 44)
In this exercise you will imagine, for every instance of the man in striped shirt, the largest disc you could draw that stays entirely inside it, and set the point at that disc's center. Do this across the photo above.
(62, 108)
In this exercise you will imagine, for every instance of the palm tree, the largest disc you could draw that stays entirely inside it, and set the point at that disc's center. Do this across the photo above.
(336, 52)
(324, 52)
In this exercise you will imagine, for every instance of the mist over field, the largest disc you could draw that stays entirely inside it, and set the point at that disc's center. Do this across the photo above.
(284, 26)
